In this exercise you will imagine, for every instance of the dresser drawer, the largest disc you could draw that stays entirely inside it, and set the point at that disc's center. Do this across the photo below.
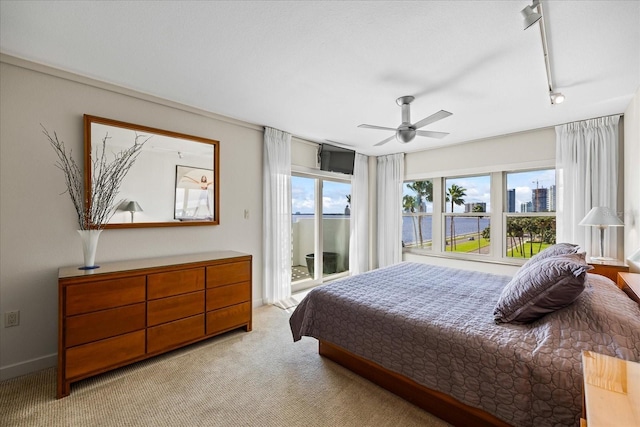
(173, 308)
(228, 318)
(85, 328)
(88, 297)
(103, 354)
(162, 285)
(224, 296)
(172, 334)
(226, 274)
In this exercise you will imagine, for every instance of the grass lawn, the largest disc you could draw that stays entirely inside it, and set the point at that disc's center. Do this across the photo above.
(527, 250)
(469, 245)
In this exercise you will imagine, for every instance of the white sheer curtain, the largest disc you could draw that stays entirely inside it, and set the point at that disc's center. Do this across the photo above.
(359, 236)
(277, 215)
(587, 176)
(390, 173)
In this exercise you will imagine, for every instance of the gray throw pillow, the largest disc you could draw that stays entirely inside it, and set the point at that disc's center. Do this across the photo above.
(553, 250)
(543, 287)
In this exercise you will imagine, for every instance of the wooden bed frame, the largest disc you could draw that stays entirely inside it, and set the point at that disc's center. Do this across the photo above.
(439, 404)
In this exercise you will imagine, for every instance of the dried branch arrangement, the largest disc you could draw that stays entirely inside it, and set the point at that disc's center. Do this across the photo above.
(106, 178)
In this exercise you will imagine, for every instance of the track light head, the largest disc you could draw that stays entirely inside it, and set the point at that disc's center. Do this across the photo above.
(556, 97)
(530, 17)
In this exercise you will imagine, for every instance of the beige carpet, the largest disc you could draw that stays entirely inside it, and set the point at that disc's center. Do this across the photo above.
(260, 378)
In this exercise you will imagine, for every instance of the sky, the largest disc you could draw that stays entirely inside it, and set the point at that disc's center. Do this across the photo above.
(334, 197)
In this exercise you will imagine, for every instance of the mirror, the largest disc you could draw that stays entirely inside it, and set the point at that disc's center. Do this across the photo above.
(174, 181)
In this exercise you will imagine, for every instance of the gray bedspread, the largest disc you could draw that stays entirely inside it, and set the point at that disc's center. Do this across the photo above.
(435, 325)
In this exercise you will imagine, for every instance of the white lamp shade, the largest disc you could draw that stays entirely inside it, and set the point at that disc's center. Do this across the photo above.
(602, 216)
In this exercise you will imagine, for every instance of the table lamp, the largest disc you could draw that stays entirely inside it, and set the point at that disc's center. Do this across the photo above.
(601, 217)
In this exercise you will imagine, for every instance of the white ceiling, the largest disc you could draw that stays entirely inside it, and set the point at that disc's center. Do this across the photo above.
(318, 69)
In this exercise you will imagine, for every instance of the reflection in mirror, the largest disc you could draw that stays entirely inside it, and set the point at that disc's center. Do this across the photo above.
(174, 181)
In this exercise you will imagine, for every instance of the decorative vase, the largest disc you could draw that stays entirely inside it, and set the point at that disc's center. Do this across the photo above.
(89, 246)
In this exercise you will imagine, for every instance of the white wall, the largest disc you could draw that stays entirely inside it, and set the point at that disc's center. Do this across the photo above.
(304, 154)
(519, 150)
(38, 226)
(632, 178)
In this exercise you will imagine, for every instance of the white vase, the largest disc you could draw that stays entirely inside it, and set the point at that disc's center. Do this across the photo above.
(89, 246)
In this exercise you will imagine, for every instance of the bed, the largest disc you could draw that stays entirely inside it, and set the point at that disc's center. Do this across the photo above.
(429, 334)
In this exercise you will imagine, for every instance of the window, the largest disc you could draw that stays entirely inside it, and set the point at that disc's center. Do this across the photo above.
(466, 225)
(320, 215)
(530, 205)
(417, 209)
(502, 215)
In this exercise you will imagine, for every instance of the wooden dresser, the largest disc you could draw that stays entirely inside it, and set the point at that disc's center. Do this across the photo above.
(124, 312)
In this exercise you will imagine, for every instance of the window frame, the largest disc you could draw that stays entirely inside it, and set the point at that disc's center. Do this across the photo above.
(320, 177)
(497, 216)
(419, 214)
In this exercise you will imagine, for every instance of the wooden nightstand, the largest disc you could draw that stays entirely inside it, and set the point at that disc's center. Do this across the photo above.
(611, 390)
(608, 269)
(630, 283)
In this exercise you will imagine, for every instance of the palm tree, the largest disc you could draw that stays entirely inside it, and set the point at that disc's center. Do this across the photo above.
(455, 195)
(409, 205)
(515, 232)
(422, 189)
(478, 208)
(530, 227)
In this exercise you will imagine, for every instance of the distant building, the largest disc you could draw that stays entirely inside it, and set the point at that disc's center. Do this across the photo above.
(511, 200)
(539, 200)
(526, 207)
(471, 207)
(551, 201)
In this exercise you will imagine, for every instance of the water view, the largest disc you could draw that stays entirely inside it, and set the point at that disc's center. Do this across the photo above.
(463, 225)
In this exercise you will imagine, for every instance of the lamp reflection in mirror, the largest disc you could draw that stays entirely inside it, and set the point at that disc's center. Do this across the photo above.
(601, 217)
(132, 207)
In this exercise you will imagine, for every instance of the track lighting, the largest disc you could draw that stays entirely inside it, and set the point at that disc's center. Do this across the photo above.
(556, 97)
(530, 18)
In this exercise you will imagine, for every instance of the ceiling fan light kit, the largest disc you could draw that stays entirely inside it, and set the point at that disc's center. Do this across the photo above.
(407, 131)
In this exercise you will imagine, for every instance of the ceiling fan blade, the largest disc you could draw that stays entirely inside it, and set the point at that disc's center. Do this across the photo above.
(431, 134)
(376, 127)
(432, 118)
(384, 141)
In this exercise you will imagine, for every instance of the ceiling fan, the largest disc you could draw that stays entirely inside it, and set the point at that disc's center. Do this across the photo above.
(407, 131)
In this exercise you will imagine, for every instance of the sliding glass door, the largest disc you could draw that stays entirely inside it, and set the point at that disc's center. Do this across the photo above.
(320, 229)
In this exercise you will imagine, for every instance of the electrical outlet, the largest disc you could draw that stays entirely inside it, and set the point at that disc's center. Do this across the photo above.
(11, 318)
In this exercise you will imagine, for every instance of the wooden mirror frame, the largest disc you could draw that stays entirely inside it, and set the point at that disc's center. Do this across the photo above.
(89, 120)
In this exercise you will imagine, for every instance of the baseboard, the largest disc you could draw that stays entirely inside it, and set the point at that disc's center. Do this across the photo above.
(28, 366)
